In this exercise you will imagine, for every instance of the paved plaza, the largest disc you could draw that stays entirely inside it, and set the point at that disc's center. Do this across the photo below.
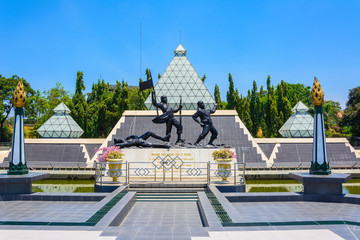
(166, 214)
(296, 211)
(182, 220)
(46, 211)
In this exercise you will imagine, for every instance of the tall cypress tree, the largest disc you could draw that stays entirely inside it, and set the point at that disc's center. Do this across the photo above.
(230, 94)
(79, 105)
(283, 104)
(271, 119)
(246, 111)
(254, 110)
(217, 96)
(203, 78)
(148, 74)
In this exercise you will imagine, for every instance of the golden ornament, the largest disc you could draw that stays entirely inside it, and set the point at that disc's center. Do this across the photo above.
(19, 96)
(317, 94)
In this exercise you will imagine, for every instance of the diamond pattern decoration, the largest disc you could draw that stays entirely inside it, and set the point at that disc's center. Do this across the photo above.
(168, 162)
(60, 125)
(181, 79)
(300, 124)
(114, 172)
(142, 172)
(194, 171)
(223, 172)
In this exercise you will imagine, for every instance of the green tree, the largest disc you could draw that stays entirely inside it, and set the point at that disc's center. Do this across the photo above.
(7, 86)
(243, 110)
(203, 78)
(283, 104)
(298, 92)
(230, 94)
(148, 74)
(351, 116)
(271, 111)
(330, 112)
(217, 97)
(98, 101)
(79, 104)
(255, 110)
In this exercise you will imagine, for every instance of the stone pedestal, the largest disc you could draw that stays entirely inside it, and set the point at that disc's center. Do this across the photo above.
(19, 184)
(322, 184)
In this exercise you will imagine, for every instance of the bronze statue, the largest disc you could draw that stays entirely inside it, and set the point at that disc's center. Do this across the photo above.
(167, 117)
(206, 122)
(136, 141)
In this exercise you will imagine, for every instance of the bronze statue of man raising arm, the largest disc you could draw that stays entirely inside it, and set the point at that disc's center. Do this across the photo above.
(205, 122)
(167, 116)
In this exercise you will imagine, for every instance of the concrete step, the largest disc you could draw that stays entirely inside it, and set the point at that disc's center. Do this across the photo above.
(163, 197)
(165, 190)
(168, 185)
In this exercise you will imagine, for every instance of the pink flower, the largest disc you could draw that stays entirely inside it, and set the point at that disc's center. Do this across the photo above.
(112, 152)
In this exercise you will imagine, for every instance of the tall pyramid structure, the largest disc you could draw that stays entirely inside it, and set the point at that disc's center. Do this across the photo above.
(181, 79)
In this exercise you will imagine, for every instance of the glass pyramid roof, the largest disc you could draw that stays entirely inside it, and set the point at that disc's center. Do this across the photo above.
(300, 107)
(181, 79)
(60, 125)
(61, 108)
(300, 124)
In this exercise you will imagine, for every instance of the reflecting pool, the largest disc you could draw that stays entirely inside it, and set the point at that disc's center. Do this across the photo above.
(352, 187)
(64, 186)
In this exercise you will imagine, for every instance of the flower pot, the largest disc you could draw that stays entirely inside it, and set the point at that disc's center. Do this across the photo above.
(114, 168)
(224, 168)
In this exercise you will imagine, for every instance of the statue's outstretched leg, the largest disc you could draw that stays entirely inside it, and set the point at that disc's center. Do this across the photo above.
(214, 134)
(118, 140)
(146, 135)
(203, 134)
(168, 130)
(179, 130)
(131, 137)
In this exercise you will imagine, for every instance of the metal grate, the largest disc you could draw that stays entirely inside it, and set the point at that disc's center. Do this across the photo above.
(218, 208)
(94, 219)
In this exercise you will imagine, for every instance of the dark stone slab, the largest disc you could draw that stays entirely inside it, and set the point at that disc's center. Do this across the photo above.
(322, 184)
(231, 188)
(19, 184)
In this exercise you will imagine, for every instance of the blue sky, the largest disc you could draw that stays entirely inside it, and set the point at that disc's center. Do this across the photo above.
(49, 41)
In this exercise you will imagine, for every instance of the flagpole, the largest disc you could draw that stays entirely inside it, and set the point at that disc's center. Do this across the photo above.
(180, 108)
(157, 109)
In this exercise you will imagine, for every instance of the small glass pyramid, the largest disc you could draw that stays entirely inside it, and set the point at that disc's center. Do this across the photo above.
(181, 79)
(300, 124)
(60, 125)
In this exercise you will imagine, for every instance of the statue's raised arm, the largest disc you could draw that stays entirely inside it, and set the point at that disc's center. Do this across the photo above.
(153, 99)
(214, 108)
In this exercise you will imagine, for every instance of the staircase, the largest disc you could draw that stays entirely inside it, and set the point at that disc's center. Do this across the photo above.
(166, 197)
(166, 188)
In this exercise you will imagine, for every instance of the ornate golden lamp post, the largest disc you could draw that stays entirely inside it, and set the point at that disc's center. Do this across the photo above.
(319, 163)
(18, 162)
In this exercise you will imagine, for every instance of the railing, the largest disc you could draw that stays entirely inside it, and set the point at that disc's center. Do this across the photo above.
(169, 171)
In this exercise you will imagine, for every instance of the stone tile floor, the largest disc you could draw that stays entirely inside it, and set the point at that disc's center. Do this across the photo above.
(167, 214)
(160, 220)
(179, 220)
(296, 211)
(46, 211)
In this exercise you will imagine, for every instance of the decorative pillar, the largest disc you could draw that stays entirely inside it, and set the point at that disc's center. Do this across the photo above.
(17, 164)
(320, 164)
